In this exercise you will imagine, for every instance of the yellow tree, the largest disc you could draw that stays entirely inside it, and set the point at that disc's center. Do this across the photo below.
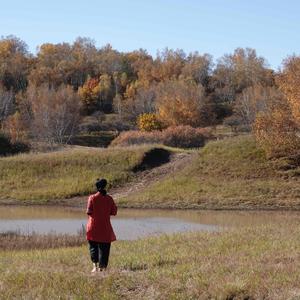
(98, 94)
(289, 83)
(181, 102)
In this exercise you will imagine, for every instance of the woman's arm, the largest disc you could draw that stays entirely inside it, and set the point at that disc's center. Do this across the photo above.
(89, 209)
(114, 209)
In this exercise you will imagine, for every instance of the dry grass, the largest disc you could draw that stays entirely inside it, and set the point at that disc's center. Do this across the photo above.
(64, 174)
(17, 241)
(260, 262)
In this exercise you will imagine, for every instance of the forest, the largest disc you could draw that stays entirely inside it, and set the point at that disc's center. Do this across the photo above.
(65, 90)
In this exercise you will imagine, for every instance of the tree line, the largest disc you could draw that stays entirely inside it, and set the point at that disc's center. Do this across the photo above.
(44, 96)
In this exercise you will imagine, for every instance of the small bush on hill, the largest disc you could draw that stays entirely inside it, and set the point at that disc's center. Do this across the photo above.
(134, 137)
(148, 122)
(177, 136)
(185, 136)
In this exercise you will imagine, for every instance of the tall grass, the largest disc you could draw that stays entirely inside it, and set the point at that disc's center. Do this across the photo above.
(17, 241)
(261, 262)
(226, 174)
(64, 174)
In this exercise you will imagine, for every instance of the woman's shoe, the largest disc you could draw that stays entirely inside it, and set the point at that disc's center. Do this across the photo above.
(95, 268)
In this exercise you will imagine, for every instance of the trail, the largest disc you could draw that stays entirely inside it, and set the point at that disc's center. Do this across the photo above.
(148, 177)
(140, 180)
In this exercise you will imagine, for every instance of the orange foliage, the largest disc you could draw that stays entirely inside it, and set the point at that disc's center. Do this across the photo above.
(181, 102)
(148, 122)
(16, 127)
(276, 132)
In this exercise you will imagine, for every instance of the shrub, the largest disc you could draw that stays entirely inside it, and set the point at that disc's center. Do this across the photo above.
(185, 136)
(134, 137)
(277, 133)
(176, 136)
(148, 122)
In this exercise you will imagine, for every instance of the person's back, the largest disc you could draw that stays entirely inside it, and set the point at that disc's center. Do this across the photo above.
(99, 231)
(100, 208)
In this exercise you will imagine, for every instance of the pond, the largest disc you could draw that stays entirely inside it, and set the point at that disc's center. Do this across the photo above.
(132, 223)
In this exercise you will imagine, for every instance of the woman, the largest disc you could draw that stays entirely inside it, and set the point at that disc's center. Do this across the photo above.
(99, 231)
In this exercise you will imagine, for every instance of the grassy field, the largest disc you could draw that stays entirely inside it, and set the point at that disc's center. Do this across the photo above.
(226, 174)
(248, 263)
(64, 174)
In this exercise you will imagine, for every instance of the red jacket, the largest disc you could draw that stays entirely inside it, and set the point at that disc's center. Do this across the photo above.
(99, 209)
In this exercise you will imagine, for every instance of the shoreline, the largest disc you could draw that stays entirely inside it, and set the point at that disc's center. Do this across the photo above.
(80, 202)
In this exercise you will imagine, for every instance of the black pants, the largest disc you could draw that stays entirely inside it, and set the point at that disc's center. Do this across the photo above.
(99, 253)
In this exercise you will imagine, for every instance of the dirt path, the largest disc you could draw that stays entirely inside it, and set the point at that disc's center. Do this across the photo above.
(145, 178)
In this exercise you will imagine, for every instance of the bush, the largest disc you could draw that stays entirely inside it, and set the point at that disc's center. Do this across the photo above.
(277, 133)
(148, 122)
(177, 136)
(134, 137)
(9, 148)
(185, 137)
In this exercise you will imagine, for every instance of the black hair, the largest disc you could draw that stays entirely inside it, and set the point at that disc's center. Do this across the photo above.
(101, 185)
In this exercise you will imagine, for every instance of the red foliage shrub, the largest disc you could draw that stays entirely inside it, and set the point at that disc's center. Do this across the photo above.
(175, 136)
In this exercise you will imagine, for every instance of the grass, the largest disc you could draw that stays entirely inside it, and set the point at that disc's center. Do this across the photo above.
(16, 241)
(226, 174)
(63, 174)
(260, 262)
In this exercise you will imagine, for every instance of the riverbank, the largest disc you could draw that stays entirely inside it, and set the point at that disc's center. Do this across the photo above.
(257, 262)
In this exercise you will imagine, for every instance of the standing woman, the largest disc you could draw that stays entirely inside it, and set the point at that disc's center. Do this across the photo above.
(99, 231)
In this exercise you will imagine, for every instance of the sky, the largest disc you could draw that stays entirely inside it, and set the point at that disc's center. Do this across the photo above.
(208, 26)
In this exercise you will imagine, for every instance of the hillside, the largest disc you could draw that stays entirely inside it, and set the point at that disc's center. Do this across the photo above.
(65, 174)
(227, 174)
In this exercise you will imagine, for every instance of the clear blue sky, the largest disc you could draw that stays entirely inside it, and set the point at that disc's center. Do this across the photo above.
(209, 26)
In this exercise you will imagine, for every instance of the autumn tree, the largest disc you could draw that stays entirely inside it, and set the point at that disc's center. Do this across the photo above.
(277, 130)
(98, 94)
(6, 104)
(63, 63)
(15, 63)
(142, 100)
(55, 113)
(168, 64)
(253, 100)
(181, 102)
(198, 67)
(237, 71)
(289, 83)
